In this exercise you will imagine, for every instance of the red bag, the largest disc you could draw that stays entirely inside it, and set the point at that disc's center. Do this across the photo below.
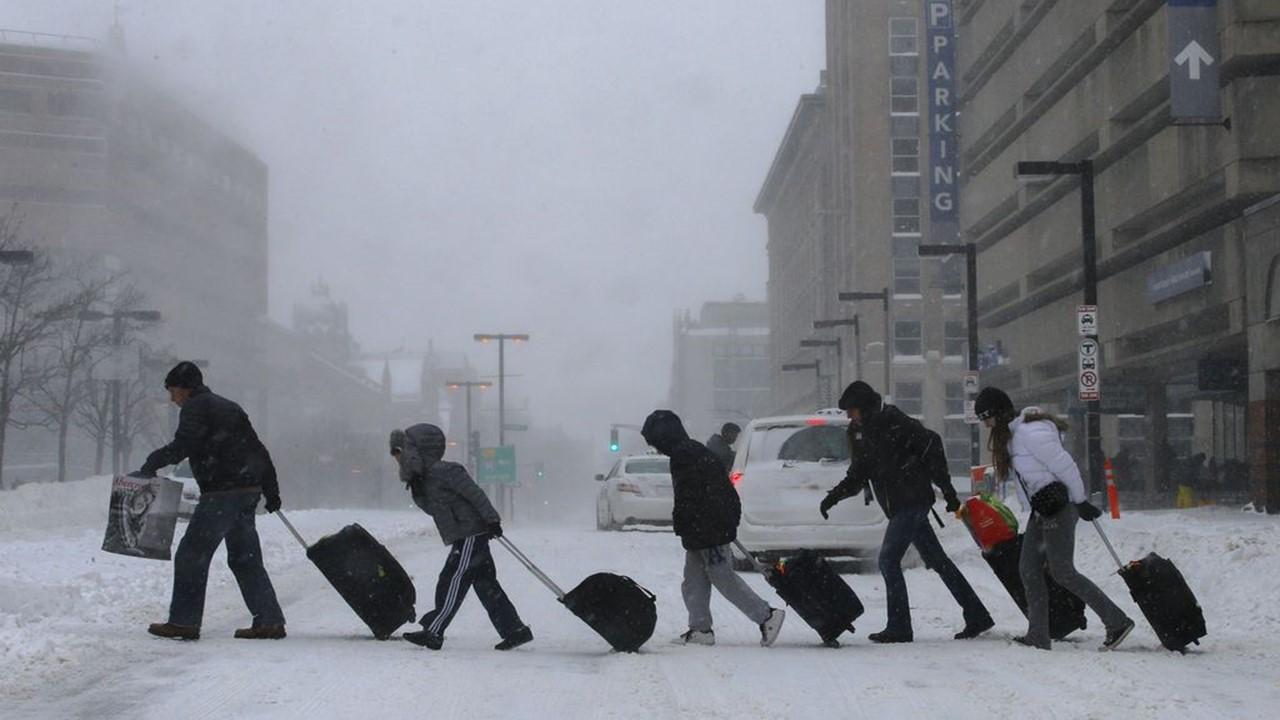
(989, 521)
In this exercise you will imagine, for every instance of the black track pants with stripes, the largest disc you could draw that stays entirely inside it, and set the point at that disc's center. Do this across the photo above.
(471, 563)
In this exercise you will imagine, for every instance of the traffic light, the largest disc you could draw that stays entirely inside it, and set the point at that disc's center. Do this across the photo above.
(613, 440)
(537, 470)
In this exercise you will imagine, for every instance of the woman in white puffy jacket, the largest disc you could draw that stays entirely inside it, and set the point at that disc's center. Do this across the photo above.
(1028, 448)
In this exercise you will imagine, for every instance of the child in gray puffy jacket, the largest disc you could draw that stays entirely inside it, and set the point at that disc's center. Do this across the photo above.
(466, 520)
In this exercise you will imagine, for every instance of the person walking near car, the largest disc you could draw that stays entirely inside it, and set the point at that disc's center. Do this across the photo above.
(466, 521)
(1028, 447)
(705, 515)
(897, 456)
(722, 443)
(233, 470)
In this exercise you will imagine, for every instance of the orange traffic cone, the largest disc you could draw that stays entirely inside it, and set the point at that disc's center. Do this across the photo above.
(1113, 496)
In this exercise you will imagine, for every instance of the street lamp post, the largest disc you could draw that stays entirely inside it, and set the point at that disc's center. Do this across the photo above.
(118, 318)
(857, 339)
(839, 356)
(502, 338)
(883, 297)
(469, 384)
(970, 252)
(1084, 169)
(816, 367)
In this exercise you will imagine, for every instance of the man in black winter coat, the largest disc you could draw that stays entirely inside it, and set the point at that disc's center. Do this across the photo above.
(705, 515)
(233, 470)
(722, 443)
(901, 459)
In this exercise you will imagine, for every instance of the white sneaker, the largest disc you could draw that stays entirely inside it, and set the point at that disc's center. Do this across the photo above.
(696, 637)
(772, 625)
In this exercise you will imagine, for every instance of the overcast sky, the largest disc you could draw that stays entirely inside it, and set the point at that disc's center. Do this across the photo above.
(575, 169)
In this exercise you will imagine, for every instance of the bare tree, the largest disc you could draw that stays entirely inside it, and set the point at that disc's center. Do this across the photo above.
(31, 305)
(72, 352)
(93, 416)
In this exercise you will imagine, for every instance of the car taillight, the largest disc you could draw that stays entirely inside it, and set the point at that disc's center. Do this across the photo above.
(815, 421)
(735, 477)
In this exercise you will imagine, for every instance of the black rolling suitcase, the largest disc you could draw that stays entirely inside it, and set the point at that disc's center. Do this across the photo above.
(366, 575)
(1066, 611)
(1164, 597)
(809, 585)
(618, 608)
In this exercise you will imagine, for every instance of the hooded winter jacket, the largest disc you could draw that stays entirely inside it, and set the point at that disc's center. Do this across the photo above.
(444, 490)
(898, 456)
(721, 449)
(1039, 459)
(706, 508)
(215, 434)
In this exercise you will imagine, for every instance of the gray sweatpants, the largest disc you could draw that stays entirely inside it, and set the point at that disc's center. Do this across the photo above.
(1054, 538)
(714, 566)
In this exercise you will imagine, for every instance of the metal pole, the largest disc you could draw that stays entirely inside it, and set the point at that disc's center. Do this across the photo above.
(471, 451)
(502, 409)
(1093, 430)
(117, 339)
(971, 280)
(821, 400)
(839, 365)
(857, 347)
(888, 352)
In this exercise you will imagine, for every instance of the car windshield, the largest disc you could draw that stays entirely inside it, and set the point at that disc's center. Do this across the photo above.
(649, 466)
(798, 443)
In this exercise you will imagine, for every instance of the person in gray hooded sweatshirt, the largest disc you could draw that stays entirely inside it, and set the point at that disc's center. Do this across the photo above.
(466, 520)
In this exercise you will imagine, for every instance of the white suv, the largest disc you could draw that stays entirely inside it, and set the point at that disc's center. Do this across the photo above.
(637, 490)
(783, 469)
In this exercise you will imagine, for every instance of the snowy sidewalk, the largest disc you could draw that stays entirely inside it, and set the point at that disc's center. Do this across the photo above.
(73, 640)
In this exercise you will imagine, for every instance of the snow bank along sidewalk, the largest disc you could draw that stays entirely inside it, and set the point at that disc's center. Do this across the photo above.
(62, 599)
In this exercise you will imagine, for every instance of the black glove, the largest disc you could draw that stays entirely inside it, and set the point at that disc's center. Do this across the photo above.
(829, 502)
(953, 504)
(272, 504)
(1087, 511)
(143, 474)
(495, 529)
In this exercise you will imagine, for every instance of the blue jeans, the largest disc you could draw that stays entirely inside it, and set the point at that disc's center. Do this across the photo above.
(222, 517)
(911, 527)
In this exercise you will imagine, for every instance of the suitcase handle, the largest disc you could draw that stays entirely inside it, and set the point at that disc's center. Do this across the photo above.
(759, 566)
(524, 560)
(293, 530)
(1107, 542)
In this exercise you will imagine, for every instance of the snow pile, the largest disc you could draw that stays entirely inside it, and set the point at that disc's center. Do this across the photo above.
(45, 506)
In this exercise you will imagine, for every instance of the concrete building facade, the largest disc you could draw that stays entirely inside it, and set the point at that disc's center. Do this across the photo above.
(720, 368)
(1187, 229)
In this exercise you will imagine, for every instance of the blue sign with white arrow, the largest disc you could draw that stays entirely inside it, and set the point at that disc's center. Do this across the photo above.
(1194, 60)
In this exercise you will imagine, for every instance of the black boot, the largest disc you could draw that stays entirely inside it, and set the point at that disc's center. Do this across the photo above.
(515, 639)
(974, 629)
(1117, 634)
(884, 636)
(425, 638)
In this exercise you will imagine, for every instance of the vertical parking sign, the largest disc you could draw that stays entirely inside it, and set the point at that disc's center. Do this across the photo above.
(1194, 57)
(944, 218)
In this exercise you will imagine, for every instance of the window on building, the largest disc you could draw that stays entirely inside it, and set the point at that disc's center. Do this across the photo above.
(903, 34)
(906, 266)
(951, 275)
(906, 338)
(955, 398)
(904, 96)
(956, 336)
(955, 439)
(906, 156)
(73, 104)
(906, 216)
(14, 100)
(909, 397)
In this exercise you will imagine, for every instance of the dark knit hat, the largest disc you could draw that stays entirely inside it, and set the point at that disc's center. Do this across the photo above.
(184, 375)
(730, 429)
(992, 402)
(861, 396)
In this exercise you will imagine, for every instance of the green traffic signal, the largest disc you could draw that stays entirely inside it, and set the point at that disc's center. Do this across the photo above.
(613, 440)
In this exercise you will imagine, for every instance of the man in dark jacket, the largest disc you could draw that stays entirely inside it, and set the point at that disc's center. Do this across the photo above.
(466, 520)
(705, 515)
(722, 443)
(233, 470)
(902, 460)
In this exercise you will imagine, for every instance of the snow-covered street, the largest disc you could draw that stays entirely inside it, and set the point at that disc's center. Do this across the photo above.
(73, 641)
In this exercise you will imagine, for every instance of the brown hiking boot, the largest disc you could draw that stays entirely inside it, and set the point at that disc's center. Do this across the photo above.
(174, 632)
(261, 632)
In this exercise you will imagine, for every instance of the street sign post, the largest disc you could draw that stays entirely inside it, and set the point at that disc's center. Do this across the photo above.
(1194, 58)
(496, 466)
(970, 390)
(1087, 320)
(1088, 369)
